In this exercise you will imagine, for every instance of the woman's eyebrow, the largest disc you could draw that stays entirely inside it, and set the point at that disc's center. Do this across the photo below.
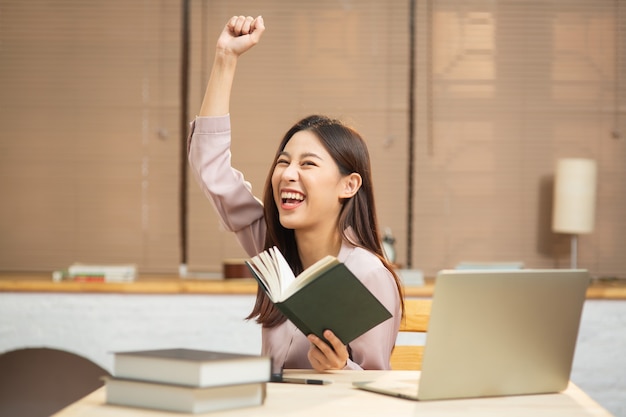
(310, 155)
(303, 155)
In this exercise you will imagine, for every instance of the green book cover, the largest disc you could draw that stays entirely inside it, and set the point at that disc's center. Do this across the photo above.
(331, 297)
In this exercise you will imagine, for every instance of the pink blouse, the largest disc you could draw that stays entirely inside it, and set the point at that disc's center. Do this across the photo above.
(242, 213)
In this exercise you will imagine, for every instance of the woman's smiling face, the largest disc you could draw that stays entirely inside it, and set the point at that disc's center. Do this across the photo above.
(307, 185)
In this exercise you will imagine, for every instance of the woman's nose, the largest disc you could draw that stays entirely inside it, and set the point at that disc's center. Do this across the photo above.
(290, 173)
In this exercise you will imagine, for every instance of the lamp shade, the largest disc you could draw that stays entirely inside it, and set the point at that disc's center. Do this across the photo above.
(574, 196)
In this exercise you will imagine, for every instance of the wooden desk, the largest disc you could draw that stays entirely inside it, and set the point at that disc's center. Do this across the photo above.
(94, 319)
(341, 399)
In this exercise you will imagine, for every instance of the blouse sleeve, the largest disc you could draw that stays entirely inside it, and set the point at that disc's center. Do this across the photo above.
(372, 350)
(209, 155)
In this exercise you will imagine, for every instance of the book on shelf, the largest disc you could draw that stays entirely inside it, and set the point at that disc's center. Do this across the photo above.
(183, 399)
(327, 295)
(97, 273)
(190, 367)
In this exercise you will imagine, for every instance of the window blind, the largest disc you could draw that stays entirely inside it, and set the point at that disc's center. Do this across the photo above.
(88, 124)
(346, 59)
(512, 87)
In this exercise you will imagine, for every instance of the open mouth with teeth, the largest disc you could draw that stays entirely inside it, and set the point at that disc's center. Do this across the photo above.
(291, 199)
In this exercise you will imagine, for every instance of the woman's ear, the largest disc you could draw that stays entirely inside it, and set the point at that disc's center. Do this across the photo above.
(351, 184)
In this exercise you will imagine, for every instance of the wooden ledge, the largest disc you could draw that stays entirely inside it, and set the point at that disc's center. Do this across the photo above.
(171, 284)
(607, 289)
(149, 284)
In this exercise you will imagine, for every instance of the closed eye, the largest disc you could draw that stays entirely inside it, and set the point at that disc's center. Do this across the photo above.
(309, 163)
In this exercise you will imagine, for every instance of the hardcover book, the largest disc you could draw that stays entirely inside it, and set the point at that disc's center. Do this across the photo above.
(182, 398)
(196, 368)
(327, 295)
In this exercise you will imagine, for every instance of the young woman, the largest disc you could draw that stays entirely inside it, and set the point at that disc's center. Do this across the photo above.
(318, 201)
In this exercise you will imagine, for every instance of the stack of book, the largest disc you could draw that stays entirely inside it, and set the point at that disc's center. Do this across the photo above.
(187, 380)
(97, 273)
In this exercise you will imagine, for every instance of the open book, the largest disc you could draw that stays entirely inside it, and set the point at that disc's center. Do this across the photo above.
(324, 296)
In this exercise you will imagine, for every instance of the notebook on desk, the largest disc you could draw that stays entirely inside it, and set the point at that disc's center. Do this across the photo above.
(494, 333)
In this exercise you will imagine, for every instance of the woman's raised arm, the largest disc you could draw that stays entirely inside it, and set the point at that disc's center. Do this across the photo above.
(239, 35)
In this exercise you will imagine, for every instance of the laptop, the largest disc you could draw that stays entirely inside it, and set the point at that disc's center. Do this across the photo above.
(494, 333)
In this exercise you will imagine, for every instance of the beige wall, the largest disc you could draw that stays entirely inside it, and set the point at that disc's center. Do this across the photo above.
(90, 131)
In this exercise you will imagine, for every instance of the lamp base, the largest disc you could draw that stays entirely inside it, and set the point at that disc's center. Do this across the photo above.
(574, 251)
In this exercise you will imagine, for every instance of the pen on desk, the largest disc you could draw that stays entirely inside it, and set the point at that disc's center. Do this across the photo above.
(305, 381)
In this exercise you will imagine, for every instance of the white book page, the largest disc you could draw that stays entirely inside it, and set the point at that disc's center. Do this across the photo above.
(268, 263)
(267, 275)
(284, 271)
(280, 281)
(258, 274)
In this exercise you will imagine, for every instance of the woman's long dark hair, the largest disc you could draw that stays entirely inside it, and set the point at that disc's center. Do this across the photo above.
(349, 151)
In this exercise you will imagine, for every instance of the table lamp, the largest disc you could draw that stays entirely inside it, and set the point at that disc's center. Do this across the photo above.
(574, 200)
